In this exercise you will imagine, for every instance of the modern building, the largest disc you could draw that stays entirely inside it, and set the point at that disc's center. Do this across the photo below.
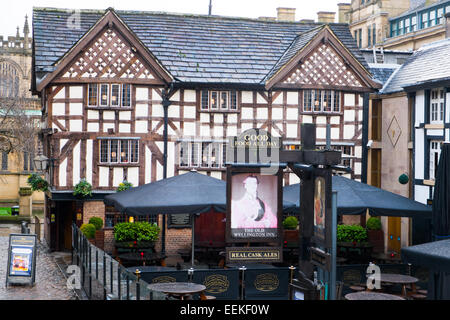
(16, 101)
(110, 84)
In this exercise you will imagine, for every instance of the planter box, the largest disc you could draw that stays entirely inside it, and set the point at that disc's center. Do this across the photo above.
(376, 238)
(100, 239)
(131, 246)
(291, 235)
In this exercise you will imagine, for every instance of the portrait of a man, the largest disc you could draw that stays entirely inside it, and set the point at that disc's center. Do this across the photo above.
(254, 203)
(319, 203)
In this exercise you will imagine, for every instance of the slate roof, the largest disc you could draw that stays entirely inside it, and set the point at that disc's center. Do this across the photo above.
(193, 48)
(430, 63)
(382, 72)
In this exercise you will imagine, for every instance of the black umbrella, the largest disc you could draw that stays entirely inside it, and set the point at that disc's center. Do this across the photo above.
(441, 197)
(190, 193)
(355, 198)
(435, 256)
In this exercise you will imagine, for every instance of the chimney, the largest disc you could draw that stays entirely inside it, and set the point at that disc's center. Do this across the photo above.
(344, 12)
(447, 25)
(325, 17)
(286, 14)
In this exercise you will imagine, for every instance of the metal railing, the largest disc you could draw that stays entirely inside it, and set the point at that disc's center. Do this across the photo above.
(101, 276)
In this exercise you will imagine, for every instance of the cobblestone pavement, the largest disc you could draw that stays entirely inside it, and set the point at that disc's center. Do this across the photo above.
(50, 283)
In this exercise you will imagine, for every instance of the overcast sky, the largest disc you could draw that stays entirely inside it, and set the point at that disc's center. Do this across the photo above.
(13, 14)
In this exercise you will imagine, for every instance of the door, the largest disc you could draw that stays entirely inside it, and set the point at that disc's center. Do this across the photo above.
(394, 234)
(210, 229)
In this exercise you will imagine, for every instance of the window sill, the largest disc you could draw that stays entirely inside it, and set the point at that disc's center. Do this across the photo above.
(219, 111)
(429, 182)
(434, 126)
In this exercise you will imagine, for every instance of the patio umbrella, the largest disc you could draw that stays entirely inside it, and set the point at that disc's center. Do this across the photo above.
(441, 197)
(435, 256)
(355, 198)
(190, 193)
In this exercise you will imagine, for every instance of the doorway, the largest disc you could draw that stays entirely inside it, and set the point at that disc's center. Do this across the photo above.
(65, 216)
(394, 234)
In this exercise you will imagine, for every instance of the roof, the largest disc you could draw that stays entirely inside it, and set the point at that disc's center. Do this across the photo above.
(419, 6)
(382, 72)
(193, 48)
(431, 62)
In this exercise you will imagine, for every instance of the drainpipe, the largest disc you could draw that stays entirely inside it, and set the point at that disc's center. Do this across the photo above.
(166, 103)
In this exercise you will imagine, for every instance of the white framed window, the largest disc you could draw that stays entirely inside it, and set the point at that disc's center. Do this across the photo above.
(437, 102)
(92, 94)
(432, 18)
(414, 23)
(435, 152)
(218, 100)
(115, 95)
(208, 154)
(321, 101)
(109, 95)
(104, 95)
(126, 95)
(119, 151)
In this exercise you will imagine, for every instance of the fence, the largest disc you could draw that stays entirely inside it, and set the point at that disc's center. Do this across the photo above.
(102, 277)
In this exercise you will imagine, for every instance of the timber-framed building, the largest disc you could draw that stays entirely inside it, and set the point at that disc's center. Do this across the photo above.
(110, 83)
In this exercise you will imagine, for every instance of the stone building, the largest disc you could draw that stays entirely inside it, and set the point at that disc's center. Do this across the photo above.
(109, 84)
(15, 77)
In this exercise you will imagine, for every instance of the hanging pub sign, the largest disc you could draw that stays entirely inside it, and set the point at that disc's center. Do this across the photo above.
(21, 268)
(322, 208)
(254, 205)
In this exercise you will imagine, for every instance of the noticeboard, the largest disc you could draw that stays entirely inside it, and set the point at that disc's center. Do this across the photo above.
(21, 268)
(179, 221)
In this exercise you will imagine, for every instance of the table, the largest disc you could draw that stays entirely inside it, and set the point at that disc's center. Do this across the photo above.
(180, 290)
(399, 279)
(367, 295)
(143, 257)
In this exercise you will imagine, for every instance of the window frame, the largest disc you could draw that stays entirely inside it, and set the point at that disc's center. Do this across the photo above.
(432, 153)
(437, 105)
(119, 151)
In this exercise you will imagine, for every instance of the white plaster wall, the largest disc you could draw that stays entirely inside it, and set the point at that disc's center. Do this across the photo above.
(103, 174)
(76, 163)
(89, 160)
(63, 173)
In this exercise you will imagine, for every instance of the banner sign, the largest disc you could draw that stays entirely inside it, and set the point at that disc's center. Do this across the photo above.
(254, 254)
(222, 284)
(270, 284)
(21, 267)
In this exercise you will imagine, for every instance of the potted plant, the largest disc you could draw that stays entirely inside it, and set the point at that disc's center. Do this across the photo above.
(99, 233)
(82, 189)
(89, 232)
(37, 183)
(375, 234)
(352, 242)
(125, 185)
(290, 233)
(135, 235)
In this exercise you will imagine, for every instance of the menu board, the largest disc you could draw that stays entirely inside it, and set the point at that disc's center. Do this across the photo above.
(21, 259)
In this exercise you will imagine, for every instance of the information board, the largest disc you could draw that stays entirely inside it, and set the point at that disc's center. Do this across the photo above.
(179, 221)
(21, 268)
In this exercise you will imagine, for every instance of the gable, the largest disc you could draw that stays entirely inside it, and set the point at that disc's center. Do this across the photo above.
(110, 57)
(318, 59)
(323, 67)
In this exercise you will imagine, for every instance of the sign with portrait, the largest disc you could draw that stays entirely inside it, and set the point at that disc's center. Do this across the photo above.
(254, 205)
(21, 259)
(322, 208)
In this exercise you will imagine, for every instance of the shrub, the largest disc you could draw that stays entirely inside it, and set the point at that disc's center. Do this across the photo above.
(83, 189)
(290, 223)
(37, 182)
(124, 186)
(353, 233)
(97, 222)
(373, 224)
(88, 230)
(136, 231)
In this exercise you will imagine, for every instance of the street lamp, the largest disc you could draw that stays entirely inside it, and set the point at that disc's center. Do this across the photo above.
(40, 162)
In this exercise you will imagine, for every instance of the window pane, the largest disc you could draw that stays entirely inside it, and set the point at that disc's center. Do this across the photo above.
(104, 94)
(194, 154)
(214, 96)
(25, 161)
(92, 94)
(205, 154)
(327, 101)
(215, 153)
(337, 101)
(134, 151)
(233, 100)
(114, 152)
(126, 95)
(124, 151)
(307, 99)
(115, 91)
(103, 151)
(184, 156)
(317, 100)
(224, 100)
(205, 99)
